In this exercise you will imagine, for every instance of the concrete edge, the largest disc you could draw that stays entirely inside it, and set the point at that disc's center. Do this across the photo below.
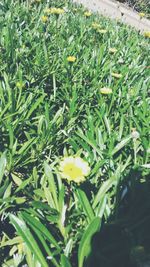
(116, 10)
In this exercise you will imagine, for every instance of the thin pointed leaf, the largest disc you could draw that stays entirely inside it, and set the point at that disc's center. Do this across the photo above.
(26, 235)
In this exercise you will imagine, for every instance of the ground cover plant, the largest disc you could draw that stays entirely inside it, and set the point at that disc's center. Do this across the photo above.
(74, 135)
(142, 6)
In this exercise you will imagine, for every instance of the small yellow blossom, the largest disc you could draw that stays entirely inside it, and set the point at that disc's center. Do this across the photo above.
(71, 59)
(74, 169)
(106, 91)
(112, 50)
(142, 14)
(54, 10)
(95, 26)
(44, 19)
(147, 34)
(116, 75)
(87, 14)
(47, 10)
(19, 85)
(102, 31)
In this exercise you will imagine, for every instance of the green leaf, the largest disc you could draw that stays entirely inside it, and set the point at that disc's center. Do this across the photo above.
(85, 243)
(89, 142)
(2, 166)
(28, 238)
(8, 191)
(85, 204)
(121, 145)
(23, 184)
(37, 224)
(4, 187)
(25, 146)
(16, 179)
(61, 198)
(103, 190)
(34, 106)
(52, 185)
(64, 261)
(38, 231)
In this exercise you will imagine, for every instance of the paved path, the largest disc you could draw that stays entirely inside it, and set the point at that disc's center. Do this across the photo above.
(116, 10)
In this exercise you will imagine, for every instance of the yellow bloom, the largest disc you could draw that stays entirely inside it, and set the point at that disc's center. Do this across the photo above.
(71, 59)
(116, 75)
(142, 14)
(59, 11)
(102, 31)
(95, 26)
(106, 91)
(47, 10)
(147, 34)
(87, 14)
(112, 50)
(44, 19)
(54, 10)
(74, 169)
(19, 85)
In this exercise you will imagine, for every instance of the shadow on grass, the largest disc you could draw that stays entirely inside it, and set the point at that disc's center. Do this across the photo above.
(124, 241)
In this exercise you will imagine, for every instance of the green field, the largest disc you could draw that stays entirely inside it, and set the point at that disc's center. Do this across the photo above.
(72, 84)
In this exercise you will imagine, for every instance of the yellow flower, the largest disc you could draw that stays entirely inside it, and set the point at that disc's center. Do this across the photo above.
(59, 11)
(54, 10)
(71, 59)
(47, 10)
(95, 26)
(147, 34)
(116, 75)
(106, 91)
(142, 14)
(102, 31)
(74, 169)
(87, 14)
(44, 19)
(112, 50)
(19, 85)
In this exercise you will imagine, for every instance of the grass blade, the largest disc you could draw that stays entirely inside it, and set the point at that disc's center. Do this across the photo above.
(85, 243)
(26, 235)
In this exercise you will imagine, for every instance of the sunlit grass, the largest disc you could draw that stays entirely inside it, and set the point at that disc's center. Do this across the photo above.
(71, 84)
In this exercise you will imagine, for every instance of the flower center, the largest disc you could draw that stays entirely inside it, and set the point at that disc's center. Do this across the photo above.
(73, 171)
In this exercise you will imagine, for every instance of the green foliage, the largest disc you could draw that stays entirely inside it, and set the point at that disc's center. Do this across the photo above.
(139, 5)
(51, 108)
(84, 247)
